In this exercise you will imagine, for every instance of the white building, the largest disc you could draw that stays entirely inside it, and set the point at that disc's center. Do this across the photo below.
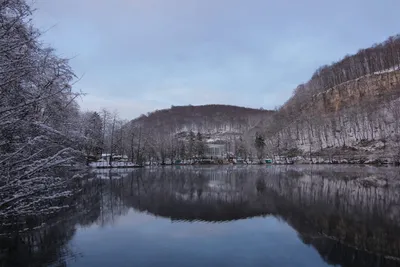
(119, 158)
(215, 151)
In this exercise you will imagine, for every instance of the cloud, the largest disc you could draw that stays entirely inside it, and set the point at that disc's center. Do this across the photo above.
(127, 108)
(140, 55)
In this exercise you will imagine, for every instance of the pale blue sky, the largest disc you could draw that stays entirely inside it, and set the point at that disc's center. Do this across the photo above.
(141, 55)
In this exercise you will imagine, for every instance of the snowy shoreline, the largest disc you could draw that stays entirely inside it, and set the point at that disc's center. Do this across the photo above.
(106, 165)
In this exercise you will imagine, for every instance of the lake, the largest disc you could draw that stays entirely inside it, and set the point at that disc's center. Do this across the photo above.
(221, 216)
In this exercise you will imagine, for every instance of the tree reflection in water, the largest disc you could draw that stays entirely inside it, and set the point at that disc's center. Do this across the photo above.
(350, 215)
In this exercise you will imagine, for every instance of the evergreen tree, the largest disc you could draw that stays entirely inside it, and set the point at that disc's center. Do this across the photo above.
(259, 145)
(182, 150)
(192, 144)
(200, 145)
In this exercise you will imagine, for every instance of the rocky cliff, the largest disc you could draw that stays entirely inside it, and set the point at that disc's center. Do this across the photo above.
(357, 121)
(374, 88)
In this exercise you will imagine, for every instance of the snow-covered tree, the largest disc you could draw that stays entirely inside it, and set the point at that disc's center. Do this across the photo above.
(93, 132)
(191, 144)
(39, 125)
(240, 148)
(200, 145)
(182, 149)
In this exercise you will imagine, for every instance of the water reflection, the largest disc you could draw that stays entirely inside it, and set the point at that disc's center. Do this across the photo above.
(350, 215)
(48, 244)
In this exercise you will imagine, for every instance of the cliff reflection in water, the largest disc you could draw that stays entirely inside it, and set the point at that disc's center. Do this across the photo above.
(350, 215)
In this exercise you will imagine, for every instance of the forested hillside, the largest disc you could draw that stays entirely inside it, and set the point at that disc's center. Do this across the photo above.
(182, 132)
(206, 118)
(348, 110)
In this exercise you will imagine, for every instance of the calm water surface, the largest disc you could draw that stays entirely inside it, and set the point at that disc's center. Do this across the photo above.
(222, 216)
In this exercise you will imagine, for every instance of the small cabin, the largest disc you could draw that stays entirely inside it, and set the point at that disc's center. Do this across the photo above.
(215, 151)
(105, 157)
(118, 158)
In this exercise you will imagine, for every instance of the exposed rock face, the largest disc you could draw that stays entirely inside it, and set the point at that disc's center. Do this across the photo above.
(375, 89)
(357, 121)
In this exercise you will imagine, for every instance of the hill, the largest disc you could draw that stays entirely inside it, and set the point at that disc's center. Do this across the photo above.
(348, 111)
(183, 132)
(214, 121)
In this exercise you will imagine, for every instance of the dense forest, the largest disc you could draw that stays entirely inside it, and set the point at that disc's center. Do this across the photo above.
(206, 118)
(180, 132)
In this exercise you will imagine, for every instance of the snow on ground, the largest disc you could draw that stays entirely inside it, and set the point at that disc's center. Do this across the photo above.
(113, 170)
(388, 70)
(112, 173)
(116, 164)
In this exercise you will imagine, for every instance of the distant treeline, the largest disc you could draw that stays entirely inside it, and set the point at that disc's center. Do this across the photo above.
(198, 118)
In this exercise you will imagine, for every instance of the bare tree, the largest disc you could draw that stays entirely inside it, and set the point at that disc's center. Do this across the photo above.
(39, 125)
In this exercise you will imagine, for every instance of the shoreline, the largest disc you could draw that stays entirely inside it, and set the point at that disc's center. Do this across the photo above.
(380, 164)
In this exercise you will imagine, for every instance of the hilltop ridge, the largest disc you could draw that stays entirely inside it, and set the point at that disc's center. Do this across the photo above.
(210, 119)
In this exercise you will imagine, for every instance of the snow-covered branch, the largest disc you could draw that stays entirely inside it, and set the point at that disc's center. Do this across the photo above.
(40, 129)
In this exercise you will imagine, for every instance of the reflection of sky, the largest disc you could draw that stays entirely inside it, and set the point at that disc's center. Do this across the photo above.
(139, 239)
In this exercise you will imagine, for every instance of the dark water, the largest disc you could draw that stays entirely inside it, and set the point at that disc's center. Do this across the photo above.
(222, 216)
